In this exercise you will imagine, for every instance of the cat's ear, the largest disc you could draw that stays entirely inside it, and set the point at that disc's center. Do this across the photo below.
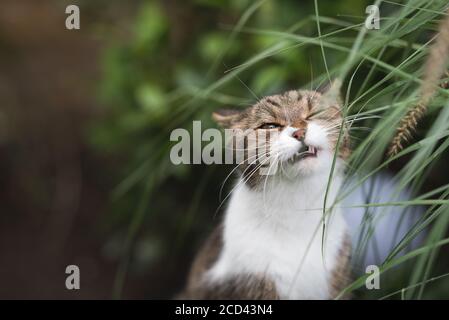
(331, 93)
(324, 87)
(226, 117)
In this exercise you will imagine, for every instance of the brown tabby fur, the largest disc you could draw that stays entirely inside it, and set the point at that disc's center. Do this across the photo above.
(248, 287)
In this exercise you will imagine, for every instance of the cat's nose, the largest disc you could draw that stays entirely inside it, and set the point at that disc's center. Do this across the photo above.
(299, 134)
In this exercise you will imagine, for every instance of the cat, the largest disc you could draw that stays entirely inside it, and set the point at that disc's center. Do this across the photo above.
(270, 244)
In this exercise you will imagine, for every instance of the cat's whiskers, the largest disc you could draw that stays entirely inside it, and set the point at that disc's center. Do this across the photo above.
(266, 179)
(243, 175)
(235, 168)
(272, 156)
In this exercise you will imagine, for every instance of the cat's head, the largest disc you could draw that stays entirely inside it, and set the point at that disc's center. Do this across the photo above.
(299, 131)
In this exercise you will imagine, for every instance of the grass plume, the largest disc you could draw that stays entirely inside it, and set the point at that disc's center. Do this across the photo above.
(433, 71)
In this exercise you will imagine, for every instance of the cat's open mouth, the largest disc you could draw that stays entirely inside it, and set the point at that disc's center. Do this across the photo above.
(304, 152)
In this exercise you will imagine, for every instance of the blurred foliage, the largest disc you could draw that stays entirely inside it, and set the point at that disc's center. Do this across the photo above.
(179, 63)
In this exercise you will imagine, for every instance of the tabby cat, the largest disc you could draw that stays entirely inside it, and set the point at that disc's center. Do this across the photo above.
(270, 243)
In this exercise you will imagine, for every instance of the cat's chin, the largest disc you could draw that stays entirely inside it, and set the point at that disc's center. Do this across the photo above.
(311, 164)
(306, 167)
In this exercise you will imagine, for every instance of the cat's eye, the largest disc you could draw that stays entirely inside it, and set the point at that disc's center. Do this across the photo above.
(269, 126)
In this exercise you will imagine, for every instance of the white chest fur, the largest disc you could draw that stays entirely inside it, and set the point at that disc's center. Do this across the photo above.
(278, 233)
